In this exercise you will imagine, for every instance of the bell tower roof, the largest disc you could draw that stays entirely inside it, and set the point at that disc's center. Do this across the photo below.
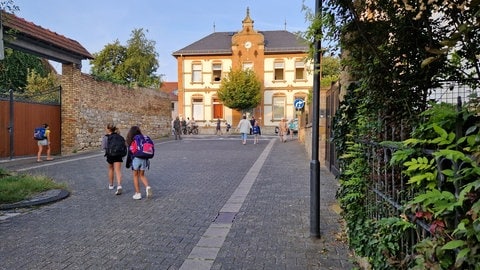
(247, 23)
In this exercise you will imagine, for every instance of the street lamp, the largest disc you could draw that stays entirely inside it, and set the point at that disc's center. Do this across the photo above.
(314, 163)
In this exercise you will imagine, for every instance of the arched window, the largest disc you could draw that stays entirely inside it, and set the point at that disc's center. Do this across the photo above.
(198, 107)
(279, 104)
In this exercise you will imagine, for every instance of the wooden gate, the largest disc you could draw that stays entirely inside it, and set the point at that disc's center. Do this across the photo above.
(18, 119)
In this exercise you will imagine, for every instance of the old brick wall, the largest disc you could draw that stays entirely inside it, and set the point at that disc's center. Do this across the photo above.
(88, 106)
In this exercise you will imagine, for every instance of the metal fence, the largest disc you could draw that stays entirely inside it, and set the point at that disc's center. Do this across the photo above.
(450, 91)
(388, 190)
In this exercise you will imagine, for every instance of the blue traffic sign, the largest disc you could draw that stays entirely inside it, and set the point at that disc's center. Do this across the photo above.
(299, 103)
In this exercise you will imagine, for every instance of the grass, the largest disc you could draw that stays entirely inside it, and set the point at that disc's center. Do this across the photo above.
(18, 187)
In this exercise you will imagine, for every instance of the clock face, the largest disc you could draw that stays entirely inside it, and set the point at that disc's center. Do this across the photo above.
(248, 44)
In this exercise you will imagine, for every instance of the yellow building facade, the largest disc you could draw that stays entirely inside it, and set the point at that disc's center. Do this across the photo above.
(278, 58)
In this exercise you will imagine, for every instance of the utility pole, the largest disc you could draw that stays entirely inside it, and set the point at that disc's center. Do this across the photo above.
(314, 163)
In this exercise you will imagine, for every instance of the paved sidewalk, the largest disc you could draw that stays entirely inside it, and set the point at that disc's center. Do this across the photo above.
(217, 204)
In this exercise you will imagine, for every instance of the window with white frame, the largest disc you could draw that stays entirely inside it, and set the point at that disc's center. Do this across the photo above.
(217, 72)
(299, 70)
(197, 108)
(278, 107)
(197, 72)
(279, 67)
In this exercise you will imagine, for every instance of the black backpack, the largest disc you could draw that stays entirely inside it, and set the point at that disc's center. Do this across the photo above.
(116, 146)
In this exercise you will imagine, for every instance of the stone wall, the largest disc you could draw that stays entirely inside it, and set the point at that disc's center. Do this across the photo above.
(305, 136)
(88, 106)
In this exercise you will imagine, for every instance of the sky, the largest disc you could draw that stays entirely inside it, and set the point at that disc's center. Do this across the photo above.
(173, 25)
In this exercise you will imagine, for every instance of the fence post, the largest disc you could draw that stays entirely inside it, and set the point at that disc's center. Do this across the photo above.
(10, 125)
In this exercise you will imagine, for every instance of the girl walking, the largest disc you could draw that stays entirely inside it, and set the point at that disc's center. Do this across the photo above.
(114, 161)
(139, 165)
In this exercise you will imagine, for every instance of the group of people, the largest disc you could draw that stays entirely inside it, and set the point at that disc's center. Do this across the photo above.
(138, 165)
(249, 127)
(178, 126)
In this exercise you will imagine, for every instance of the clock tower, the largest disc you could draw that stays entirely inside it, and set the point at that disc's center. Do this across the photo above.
(248, 52)
(248, 47)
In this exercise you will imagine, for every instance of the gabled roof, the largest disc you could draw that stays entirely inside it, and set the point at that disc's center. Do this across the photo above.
(221, 43)
(170, 88)
(26, 33)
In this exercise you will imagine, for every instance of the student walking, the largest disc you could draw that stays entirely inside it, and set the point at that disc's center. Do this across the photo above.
(256, 132)
(138, 164)
(218, 129)
(244, 126)
(44, 142)
(115, 149)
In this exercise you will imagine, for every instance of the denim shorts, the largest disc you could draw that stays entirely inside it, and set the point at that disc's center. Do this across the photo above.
(43, 142)
(140, 164)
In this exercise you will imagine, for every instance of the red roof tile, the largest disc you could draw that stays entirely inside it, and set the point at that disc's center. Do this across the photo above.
(170, 88)
(43, 35)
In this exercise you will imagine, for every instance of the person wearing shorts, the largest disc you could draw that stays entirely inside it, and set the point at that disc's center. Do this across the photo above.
(44, 142)
(114, 163)
(139, 165)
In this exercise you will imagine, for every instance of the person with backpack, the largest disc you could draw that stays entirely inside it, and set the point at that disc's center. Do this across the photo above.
(256, 132)
(42, 135)
(115, 149)
(140, 150)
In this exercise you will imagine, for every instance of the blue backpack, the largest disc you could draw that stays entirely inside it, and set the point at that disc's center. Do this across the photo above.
(142, 147)
(39, 133)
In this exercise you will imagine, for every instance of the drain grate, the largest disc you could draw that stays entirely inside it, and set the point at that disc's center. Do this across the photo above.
(225, 217)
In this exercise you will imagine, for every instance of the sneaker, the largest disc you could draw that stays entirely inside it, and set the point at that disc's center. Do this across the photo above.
(149, 192)
(137, 196)
(119, 190)
(111, 187)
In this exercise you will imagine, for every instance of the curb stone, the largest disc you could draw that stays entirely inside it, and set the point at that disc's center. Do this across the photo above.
(45, 197)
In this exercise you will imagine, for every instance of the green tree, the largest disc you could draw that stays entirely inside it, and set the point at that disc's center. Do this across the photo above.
(106, 64)
(43, 88)
(240, 90)
(396, 52)
(134, 64)
(15, 67)
(330, 70)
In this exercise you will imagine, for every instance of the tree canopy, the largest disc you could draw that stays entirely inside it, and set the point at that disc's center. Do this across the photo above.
(240, 90)
(398, 51)
(15, 67)
(133, 65)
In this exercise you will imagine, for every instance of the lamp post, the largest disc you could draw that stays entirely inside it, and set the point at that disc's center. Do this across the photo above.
(314, 163)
